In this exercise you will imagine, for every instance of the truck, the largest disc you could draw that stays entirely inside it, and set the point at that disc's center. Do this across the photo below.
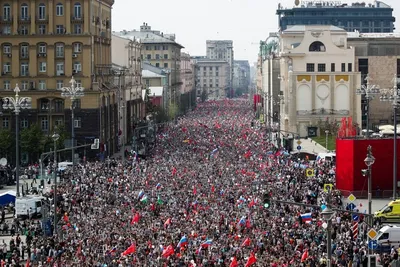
(389, 213)
(28, 206)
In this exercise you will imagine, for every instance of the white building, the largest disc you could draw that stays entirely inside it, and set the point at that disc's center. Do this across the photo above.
(317, 77)
(222, 50)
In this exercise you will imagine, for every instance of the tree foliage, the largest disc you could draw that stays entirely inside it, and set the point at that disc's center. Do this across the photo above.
(32, 139)
(331, 125)
(6, 142)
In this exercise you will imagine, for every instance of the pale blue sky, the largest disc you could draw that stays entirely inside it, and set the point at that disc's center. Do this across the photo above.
(195, 21)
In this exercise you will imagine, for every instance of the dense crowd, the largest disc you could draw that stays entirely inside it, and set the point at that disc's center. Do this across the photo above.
(198, 201)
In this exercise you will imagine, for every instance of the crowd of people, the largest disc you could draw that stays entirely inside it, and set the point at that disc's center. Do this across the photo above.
(199, 201)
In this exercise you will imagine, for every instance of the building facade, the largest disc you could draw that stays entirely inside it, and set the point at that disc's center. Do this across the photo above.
(222, 50)
(162, 51)
(379, 56)
(212, 78)
(188, 93)
(127, 62)
(270, 90)
(156, 80)
(318, 78)
(241, 76)
(377, 17)
(45, 43)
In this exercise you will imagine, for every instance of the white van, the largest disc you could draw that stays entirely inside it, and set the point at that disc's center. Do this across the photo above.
(28, 206)
(389, 235)
(63, 165)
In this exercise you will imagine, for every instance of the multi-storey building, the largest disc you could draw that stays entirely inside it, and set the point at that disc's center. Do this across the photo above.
(188, 93)
(241, 78)
(377, 17)
(127, 62)
(212, 78)
(162, 51)
(222, 50)
(45, 43)
(318, 77)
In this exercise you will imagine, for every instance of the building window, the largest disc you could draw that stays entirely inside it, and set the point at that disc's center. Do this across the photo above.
(216, 69)
(77, 67)
(58, 105)
(23, 30)
(42, 85)
(59, 84)
(60, 68)
(157, 56)
(78, 122)
(24, 51)
(148, 47)
(42, 29)
(42, 49)
(77, 29)
(44, 123)
(24, 123)
(77, 11)
(211, 68)
(6, 85)
(24, 12)
(6, 123)
(7, 49)
(59, 50)
(317, 47)
(157, 65)
(310, 67)
(24, 85)
(349, 67)
(77, 47)
(42, 67)
(6, 30)
(60, 29)
(165, 65)
(42, 11)
(148, 56)
(156, 47)
(165, 56)
(7, 67)
(165, 47)
(24, 69)
(59, 9)
(6, 12)
(216, 73)
(321, 68)
(332, 67)
(343, 67)
(78, 101)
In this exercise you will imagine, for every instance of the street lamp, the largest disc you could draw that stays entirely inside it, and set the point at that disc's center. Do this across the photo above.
(393, 95)
(369, 91)
(17, 103)
(327, 214)
(74, 92)
(326, 139)
(55, 138)
(369, 161)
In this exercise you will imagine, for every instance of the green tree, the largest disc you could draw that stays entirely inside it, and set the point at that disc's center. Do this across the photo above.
(173, 110)
(6, 142)
(48, 142)
(32, 141)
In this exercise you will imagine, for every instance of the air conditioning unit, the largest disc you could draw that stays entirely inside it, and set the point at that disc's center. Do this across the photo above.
(74, 72)
(74, 55)
(9, 55)
(45, 55)
(60, 73)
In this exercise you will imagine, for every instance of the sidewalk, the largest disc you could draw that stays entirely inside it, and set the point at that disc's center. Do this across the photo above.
(309, 146)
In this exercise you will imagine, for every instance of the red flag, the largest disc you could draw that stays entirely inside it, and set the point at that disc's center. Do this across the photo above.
(65, 218)
(28, 262)
(304, 256)
(252, 203)
(168, 251)
(248, 223)
(246, 242)
(234, 263)
(167, 222)
(130, 250)
(194, 190)
(252, 259)
(135, 219)
(212, 188)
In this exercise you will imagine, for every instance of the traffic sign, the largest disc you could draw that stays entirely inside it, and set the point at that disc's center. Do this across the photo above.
(372, 244)
(351, 206)
(298, 147)
(351, 198)
(372, 234)
(328, 187)
(299, 142)
(355, 217)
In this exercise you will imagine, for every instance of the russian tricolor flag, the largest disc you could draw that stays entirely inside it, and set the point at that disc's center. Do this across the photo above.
(183, 242)
(306, 217)
(158, 186)
(141, 194)
(242, 221)
(207, 243)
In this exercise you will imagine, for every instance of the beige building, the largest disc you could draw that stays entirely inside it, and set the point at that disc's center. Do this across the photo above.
(45, 43)
(126, 58)
(377, 54)
(222, 50)
(318, 77)
(212, 78)
(162, 51)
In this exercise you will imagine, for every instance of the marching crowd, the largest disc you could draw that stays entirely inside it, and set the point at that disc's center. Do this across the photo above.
(199, 201)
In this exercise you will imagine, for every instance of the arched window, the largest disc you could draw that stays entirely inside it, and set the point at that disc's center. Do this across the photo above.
(24, 12)
(42, 49)
(317, 46)
(7, 12)
(59, 9)
(77, 11)
(42, 11)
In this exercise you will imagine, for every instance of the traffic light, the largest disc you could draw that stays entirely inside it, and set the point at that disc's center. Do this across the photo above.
(266, 200)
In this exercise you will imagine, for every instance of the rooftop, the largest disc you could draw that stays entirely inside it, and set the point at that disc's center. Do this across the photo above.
(333, 4)
(150, 74)
(303, 28)
(373, 35)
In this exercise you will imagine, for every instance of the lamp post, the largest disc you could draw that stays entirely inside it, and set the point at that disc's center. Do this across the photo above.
(326, 139)
(55, 138)
(327, 214)
(74, 92)
(393, 95)
(369, 91)
(369, 161)
(16, 103)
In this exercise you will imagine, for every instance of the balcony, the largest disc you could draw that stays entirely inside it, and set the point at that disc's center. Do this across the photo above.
(24, 20)
(42, 19)
(76, 19)
(6, 20)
